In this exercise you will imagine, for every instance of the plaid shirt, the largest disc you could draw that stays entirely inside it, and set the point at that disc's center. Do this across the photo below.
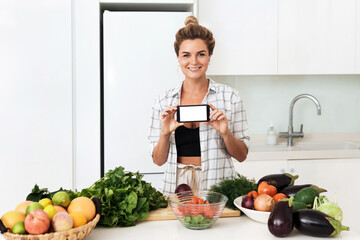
(216, 162)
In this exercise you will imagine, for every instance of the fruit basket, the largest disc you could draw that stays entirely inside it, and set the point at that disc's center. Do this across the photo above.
(72, 234)
(201, 213)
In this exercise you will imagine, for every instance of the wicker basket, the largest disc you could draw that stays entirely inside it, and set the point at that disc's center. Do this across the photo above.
(72, 234)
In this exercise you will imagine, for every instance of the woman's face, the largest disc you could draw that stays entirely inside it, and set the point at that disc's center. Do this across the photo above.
(194, 58)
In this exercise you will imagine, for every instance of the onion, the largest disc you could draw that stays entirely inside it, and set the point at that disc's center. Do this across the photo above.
(182, 188)
(248, 202)
(184, 192)
(264, 203)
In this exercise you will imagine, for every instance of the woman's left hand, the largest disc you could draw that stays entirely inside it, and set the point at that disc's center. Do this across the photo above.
(218, 120)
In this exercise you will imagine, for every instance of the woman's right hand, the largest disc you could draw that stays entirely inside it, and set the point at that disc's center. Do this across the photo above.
(168, 122)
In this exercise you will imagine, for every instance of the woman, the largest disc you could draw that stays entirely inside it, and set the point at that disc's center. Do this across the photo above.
(198, 154)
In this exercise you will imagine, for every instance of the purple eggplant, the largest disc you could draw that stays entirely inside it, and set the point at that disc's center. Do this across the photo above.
(279, 181)
(317, 224)
(292, 190)
(280, 222)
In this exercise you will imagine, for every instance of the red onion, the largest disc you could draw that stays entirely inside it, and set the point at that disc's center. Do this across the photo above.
(248, 202)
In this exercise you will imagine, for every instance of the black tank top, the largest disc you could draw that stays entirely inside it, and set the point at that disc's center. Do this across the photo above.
(187, 142)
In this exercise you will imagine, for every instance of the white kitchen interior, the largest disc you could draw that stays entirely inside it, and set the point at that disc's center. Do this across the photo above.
(70, 69)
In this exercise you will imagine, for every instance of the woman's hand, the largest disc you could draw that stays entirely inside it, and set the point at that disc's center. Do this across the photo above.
(168, 122)
(219, 120)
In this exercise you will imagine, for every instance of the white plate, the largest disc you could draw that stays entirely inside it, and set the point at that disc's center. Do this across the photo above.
(258, 216)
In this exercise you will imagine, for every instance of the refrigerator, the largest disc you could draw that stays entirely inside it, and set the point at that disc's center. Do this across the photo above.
(139, 63)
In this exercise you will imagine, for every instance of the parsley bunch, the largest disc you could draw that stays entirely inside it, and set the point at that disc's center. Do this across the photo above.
(125, 197)
(234, 187)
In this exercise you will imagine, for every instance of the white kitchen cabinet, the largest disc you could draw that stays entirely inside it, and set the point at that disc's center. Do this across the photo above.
(245, 33)
(317, 36)
(258, 169)
(339, 177)
(35, 98)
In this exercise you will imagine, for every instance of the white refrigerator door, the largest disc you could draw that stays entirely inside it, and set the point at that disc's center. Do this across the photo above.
(139, 64)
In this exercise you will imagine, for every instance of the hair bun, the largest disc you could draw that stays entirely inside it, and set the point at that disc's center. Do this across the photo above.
(191, 20)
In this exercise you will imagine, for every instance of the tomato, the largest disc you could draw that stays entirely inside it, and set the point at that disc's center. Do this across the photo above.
(277, 197)
(265, 188)
(253, 193)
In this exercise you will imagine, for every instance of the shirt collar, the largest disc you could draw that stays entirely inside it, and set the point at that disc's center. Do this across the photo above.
(177, 89)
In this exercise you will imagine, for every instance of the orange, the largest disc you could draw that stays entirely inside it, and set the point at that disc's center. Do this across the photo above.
(59, 209)
(78, 218)
(83, 205)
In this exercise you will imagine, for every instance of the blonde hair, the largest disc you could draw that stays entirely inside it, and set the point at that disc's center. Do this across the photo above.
(194, 30)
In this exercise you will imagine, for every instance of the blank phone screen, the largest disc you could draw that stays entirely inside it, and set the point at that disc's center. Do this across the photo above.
(193, 113)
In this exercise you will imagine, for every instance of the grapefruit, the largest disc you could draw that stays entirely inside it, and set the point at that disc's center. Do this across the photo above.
(22, 206)
(9, 219)
(78, 218)
(83, 205)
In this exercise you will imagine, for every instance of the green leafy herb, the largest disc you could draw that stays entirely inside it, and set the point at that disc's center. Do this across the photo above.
(125, 197)
(38, 193)
(234, 187)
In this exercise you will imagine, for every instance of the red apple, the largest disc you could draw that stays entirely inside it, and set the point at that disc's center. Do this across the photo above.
(37, 222)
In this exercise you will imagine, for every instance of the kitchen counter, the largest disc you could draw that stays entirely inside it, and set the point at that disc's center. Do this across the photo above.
(225, 228)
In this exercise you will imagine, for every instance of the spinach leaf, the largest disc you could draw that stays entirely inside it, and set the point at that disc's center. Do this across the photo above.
(125, 197)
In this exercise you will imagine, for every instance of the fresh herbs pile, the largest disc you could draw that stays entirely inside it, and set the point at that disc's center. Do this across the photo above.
(125, 197)
(234, 187)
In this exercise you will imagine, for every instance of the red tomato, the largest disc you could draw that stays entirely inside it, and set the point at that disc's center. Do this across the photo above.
(277, 197)
(253, 193)
(265, 188)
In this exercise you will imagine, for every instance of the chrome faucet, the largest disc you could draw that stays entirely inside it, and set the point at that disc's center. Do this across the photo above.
(290, 134)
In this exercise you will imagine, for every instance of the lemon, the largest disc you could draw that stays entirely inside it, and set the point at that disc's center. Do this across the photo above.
(61, 199)
(19, 228)
(50, 210)
(45, 202)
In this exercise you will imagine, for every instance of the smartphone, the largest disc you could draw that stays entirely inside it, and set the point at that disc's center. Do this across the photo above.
(193, 113)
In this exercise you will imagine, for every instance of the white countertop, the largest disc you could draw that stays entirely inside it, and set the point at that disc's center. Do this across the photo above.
(225, 228)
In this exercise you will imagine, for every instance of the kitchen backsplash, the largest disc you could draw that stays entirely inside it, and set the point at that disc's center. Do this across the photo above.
(267, 99)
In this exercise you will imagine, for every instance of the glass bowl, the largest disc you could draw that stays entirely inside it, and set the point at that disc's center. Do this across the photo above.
(200, 215)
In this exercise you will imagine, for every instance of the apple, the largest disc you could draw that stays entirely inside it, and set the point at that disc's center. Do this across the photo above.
(37, 222)
(62, 221)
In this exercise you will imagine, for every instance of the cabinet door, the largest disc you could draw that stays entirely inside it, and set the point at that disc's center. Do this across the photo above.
(35, 98)
(317, 36)
(258, 169)
(245, 33)
(339, 177)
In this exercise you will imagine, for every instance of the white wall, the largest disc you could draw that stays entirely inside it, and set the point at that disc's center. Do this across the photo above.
(267, 99)
(35, 98)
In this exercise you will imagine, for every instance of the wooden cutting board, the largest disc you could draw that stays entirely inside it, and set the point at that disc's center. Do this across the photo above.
(167, 214)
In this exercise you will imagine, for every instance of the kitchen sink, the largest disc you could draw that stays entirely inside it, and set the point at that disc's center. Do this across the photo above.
(305, 146)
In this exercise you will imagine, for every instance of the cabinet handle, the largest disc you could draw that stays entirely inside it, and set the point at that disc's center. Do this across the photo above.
(282, 170)
(292, 170)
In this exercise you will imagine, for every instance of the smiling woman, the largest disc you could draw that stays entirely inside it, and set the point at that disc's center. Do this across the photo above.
(197, 154)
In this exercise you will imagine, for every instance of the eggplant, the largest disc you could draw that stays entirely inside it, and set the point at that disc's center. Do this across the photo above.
(314, 223)
(3, 229)
(279, 181)
(280, 222)
(292, 190)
